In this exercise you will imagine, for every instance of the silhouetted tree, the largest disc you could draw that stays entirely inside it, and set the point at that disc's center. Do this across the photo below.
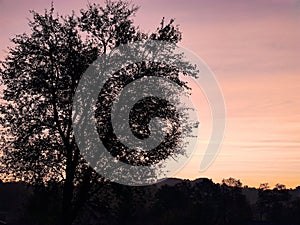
(264, 186)
(273, 205)
(280, 187)
(234, 207)
(41, 73)
(231, 182)
(40, 76)
(206, 202)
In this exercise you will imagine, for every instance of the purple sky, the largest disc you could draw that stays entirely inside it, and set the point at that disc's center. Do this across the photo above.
(253, 47)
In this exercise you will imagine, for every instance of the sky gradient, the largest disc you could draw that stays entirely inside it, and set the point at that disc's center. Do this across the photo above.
(253, 47)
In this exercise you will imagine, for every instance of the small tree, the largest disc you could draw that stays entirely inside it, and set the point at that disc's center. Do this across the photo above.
(232, 182)
(280, 187)
(264, 186)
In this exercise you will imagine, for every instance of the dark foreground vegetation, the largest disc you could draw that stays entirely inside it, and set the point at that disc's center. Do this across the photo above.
(172, 201)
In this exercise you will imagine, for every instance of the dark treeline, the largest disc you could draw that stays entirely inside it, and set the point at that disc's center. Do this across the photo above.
(172, 201)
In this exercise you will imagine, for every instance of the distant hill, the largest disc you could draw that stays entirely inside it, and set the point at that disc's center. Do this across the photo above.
(168, 181)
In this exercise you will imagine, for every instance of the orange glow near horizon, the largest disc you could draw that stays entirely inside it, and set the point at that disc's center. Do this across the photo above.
(261, 142)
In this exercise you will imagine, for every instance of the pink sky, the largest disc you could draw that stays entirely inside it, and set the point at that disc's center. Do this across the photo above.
(253, 47)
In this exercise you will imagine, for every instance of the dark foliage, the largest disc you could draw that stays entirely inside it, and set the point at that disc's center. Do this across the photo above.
(183, 202)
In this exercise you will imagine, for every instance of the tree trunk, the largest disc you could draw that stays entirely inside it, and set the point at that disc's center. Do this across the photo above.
(66, 217)
(68, 192)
